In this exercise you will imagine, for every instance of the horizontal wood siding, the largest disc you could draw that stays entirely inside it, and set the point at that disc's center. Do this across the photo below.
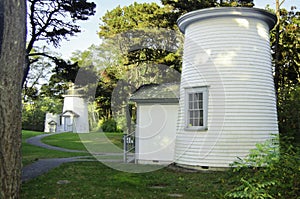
(233, 59)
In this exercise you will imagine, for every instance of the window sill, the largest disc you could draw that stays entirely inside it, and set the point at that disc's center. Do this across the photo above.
(195, 128)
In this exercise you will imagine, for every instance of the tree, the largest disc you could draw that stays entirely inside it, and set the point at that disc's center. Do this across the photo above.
(285, 44)
(52, 21)
(12, 58)
(183, 6)
(40, 72)
(140, 39)
(141, 32)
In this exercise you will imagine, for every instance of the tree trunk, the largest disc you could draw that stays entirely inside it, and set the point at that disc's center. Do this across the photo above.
(12, 59)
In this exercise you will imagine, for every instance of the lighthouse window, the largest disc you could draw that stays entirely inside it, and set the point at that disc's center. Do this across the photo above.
(196, 108)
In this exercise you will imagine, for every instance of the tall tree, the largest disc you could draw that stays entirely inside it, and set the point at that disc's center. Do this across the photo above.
(180, 7)
(285, 42)
(52, 21)
(142, 34)
(12, 58)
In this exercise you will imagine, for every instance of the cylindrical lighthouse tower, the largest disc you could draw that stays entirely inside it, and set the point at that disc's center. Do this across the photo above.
(227, 95)
(75, 112)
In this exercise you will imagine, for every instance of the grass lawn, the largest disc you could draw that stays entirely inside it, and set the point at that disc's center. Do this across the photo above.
(94, 142)
(32, 153)
(95, 180)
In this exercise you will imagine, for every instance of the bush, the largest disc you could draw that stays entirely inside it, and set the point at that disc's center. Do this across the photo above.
(109, 125)
(266, 173)
(32, 118)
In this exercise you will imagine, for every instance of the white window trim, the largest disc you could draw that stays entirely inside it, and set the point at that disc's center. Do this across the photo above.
(188, 91)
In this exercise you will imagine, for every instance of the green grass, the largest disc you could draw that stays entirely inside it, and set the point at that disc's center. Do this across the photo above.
(32, 153)
(94, 142)
(95, 180)
(65, 140)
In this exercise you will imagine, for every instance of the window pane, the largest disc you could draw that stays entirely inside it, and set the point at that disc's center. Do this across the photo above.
(190, 122)
(201, 96)
(196, 96)
(190, 105)
(197, 122)
(195, 112)
(200, 104)
(191, 115)
(196, 105)
(201, 122)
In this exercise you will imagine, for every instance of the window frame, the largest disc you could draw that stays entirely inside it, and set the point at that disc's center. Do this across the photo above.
(195, 90)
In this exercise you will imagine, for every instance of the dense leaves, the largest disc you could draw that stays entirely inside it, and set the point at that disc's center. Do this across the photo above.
(286, 56)
(287, 52)
(267, 173)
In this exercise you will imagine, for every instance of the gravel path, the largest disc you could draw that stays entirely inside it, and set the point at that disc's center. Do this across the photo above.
(44, 165)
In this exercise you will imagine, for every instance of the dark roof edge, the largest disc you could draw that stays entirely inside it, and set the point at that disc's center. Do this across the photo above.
(156, 100)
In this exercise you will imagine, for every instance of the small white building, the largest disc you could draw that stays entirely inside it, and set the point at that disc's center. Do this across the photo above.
(52, 123)
(157, 109)
(74, 117)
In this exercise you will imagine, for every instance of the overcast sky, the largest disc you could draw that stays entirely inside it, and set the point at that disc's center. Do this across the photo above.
(89, 36)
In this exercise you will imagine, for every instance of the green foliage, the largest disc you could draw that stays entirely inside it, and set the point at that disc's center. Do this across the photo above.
(183, 6)
(266, 173)
(286, 49)
(109, 125)
(289, 114)
(32, 118)
(263, 155)
(33, 112)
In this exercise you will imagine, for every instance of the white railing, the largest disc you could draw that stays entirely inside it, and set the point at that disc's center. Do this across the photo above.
(129, 147)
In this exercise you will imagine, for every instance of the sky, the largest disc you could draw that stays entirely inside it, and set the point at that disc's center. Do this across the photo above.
(89, 36)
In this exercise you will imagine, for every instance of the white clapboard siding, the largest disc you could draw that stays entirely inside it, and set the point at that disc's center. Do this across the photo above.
(227, 50)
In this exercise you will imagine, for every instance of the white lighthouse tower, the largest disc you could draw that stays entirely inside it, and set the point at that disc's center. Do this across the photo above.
(227, 96)
(75, 112)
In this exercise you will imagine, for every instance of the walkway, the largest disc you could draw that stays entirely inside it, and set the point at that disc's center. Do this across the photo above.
(44, 165)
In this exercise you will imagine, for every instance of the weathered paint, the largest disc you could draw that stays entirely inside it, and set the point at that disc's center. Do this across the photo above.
(227, 50)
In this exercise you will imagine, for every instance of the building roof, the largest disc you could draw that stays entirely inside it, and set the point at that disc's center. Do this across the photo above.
(52, 122)
(69, 113)
(157, 93)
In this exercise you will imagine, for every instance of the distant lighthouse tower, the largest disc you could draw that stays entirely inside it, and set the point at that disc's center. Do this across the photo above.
(75, 112)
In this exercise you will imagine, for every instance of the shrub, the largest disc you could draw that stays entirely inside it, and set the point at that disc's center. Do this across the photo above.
(109, 125)
(266, 173)
(32, 118)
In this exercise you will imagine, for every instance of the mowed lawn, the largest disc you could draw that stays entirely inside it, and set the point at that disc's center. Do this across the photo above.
(96, 180)
(32, 153)
(92, 142)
